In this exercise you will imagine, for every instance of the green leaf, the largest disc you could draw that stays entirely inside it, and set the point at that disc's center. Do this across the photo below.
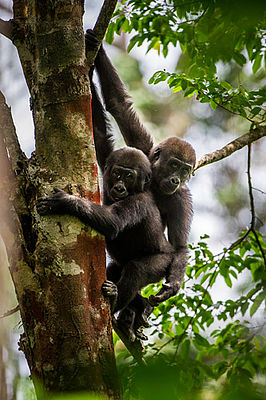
(185, 349)
(126, 26)
(110, 33)
(228, 280)
(226, 85)
(184, 84)
(190, 92)
(213, 105)
(255, 111)
(239, 58)
(177, 89)
(221, 367)
(132, 43)
(244, 307)
(257, 302)
(201, 341)
(257, 63)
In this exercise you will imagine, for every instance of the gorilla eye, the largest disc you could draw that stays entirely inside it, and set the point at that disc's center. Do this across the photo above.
(174, 165)
(156, 155)
(185, 172)
(116, 174)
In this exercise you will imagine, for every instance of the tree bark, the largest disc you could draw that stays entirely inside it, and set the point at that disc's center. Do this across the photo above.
(56, 262)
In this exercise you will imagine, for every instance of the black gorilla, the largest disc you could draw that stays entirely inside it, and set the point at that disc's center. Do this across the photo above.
(172, 163)
(131, 223)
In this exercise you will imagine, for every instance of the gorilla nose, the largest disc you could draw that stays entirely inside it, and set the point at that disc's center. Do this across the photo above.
(119, 188)
(175, 180)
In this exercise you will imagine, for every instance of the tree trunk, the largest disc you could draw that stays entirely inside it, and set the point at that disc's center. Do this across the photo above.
(57, 263)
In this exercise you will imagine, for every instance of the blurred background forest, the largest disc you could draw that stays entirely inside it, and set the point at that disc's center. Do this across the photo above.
(219, 191)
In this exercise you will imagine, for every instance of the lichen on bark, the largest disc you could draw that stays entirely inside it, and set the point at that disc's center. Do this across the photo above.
(57, 263)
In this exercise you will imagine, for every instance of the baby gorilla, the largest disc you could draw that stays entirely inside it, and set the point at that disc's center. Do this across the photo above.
(131, 223)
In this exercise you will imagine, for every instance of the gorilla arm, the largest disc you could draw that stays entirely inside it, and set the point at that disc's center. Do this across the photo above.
(117, 100)
(103, 138)
(107, 220)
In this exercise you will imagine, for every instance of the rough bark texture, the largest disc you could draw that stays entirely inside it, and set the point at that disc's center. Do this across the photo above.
(57, 263)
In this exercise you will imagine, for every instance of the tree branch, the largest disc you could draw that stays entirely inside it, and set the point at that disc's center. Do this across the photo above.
(6, 28)
(101, 26)
(9, 137)
(10, 227)
(252, 207)
(10, 312)
(230, 148)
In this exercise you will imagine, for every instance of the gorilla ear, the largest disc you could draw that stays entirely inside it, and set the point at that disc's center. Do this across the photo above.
(156, 154)
(147, 178)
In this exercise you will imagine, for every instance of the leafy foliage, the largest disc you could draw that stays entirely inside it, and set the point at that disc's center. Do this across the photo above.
(198, 339)
(195, 340)
(240, 101)
(207, 31)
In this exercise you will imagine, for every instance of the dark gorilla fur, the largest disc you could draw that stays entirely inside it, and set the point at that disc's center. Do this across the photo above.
(172, 162)
(131, 223)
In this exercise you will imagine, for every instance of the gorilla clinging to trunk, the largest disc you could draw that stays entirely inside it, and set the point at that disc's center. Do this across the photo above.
(131, 223)
(172, 162)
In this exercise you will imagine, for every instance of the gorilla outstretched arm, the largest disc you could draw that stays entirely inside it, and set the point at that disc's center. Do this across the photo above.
(102, 132)
(107, 220)
(117, 100)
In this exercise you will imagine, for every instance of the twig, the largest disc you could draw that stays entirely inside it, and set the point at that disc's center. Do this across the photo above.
(8, 132)
(6, 28)
(100, 27)
(258, 190)
(10, 312)
(252, 206)
(237, 144)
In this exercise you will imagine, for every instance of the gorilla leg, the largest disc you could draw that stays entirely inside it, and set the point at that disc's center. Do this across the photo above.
(136, 274)
(174, 279)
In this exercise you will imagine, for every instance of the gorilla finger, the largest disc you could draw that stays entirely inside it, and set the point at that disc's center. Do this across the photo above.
(57, 190)
(154, 300)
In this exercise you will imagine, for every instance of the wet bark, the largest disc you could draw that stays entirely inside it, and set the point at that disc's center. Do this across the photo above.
(57, 263)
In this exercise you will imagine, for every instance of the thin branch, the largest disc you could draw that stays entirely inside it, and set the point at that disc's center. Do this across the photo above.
(230, 148)
(252, 206)
(101, 26)
(6, 28)
(10, 312)
(8, 132)
(259, 190)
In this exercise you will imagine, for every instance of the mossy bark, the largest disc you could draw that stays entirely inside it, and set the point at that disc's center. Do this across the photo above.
(57, 263)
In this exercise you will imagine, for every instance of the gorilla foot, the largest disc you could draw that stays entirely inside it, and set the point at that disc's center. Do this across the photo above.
(140, 335)
(168, 290)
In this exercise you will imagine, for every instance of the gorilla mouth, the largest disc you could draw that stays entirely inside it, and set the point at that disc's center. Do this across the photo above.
(168, 187)
(116, 196)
